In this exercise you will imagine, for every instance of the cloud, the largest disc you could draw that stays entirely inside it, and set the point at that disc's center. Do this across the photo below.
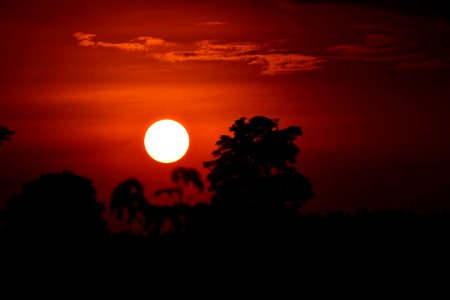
(287, 63)
(400, 48)
(140, 44)
(423, 8)
(272, 61)
(211, 51)
(84, 39)
(428, 63)
(212, 23)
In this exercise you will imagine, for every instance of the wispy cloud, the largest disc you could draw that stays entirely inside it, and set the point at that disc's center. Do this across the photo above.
(140, 44)
(212, 23)
(429, 8)
(272, 61)
(287, 63)
(84, 39)
(400, 48)
(394, 47)
(211, 51)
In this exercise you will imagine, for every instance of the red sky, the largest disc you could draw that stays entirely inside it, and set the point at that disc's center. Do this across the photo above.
(80, 82)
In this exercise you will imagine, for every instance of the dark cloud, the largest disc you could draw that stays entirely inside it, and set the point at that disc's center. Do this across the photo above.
(399, 48)
(394, 47)
(425, 8)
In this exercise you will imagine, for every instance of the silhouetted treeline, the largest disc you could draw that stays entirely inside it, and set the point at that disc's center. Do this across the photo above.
(64, 206)
(60, 208)
(258, 194)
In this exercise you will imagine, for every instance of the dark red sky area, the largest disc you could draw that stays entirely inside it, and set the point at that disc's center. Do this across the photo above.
(80, 82)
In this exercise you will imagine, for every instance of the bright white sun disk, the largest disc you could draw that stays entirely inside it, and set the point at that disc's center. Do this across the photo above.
(166, 141)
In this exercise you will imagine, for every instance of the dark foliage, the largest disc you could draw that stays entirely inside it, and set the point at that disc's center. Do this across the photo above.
(252, 174)
(254, 167)
(129, 197)
(57, 206)
(156, 221)
(182, 177)
(171, 192)
(187, 176)
(5, 134)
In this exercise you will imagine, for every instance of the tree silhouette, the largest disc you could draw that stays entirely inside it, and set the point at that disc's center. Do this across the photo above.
(56, 205)
(254, 166)
(129, 196)
(182, 177)
(5, 134)
(179, 214)
(187, 175)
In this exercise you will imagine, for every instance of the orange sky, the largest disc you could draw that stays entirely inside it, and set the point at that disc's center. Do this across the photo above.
(82, 80)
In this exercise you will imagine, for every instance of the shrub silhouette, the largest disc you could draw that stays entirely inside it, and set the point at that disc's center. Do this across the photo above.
(129, 196)
(5, 134)
(179, 214)
(187, 175)
(182, 177)
(56, 205)
(254, 166)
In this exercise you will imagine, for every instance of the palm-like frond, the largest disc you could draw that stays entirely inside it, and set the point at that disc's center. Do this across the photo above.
(188, 176)
(169, 191)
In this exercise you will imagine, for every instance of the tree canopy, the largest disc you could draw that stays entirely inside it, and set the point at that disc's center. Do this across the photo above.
(56, 205)
(255, 166)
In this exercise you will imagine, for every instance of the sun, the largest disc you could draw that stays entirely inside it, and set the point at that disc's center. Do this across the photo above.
(166, 141)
